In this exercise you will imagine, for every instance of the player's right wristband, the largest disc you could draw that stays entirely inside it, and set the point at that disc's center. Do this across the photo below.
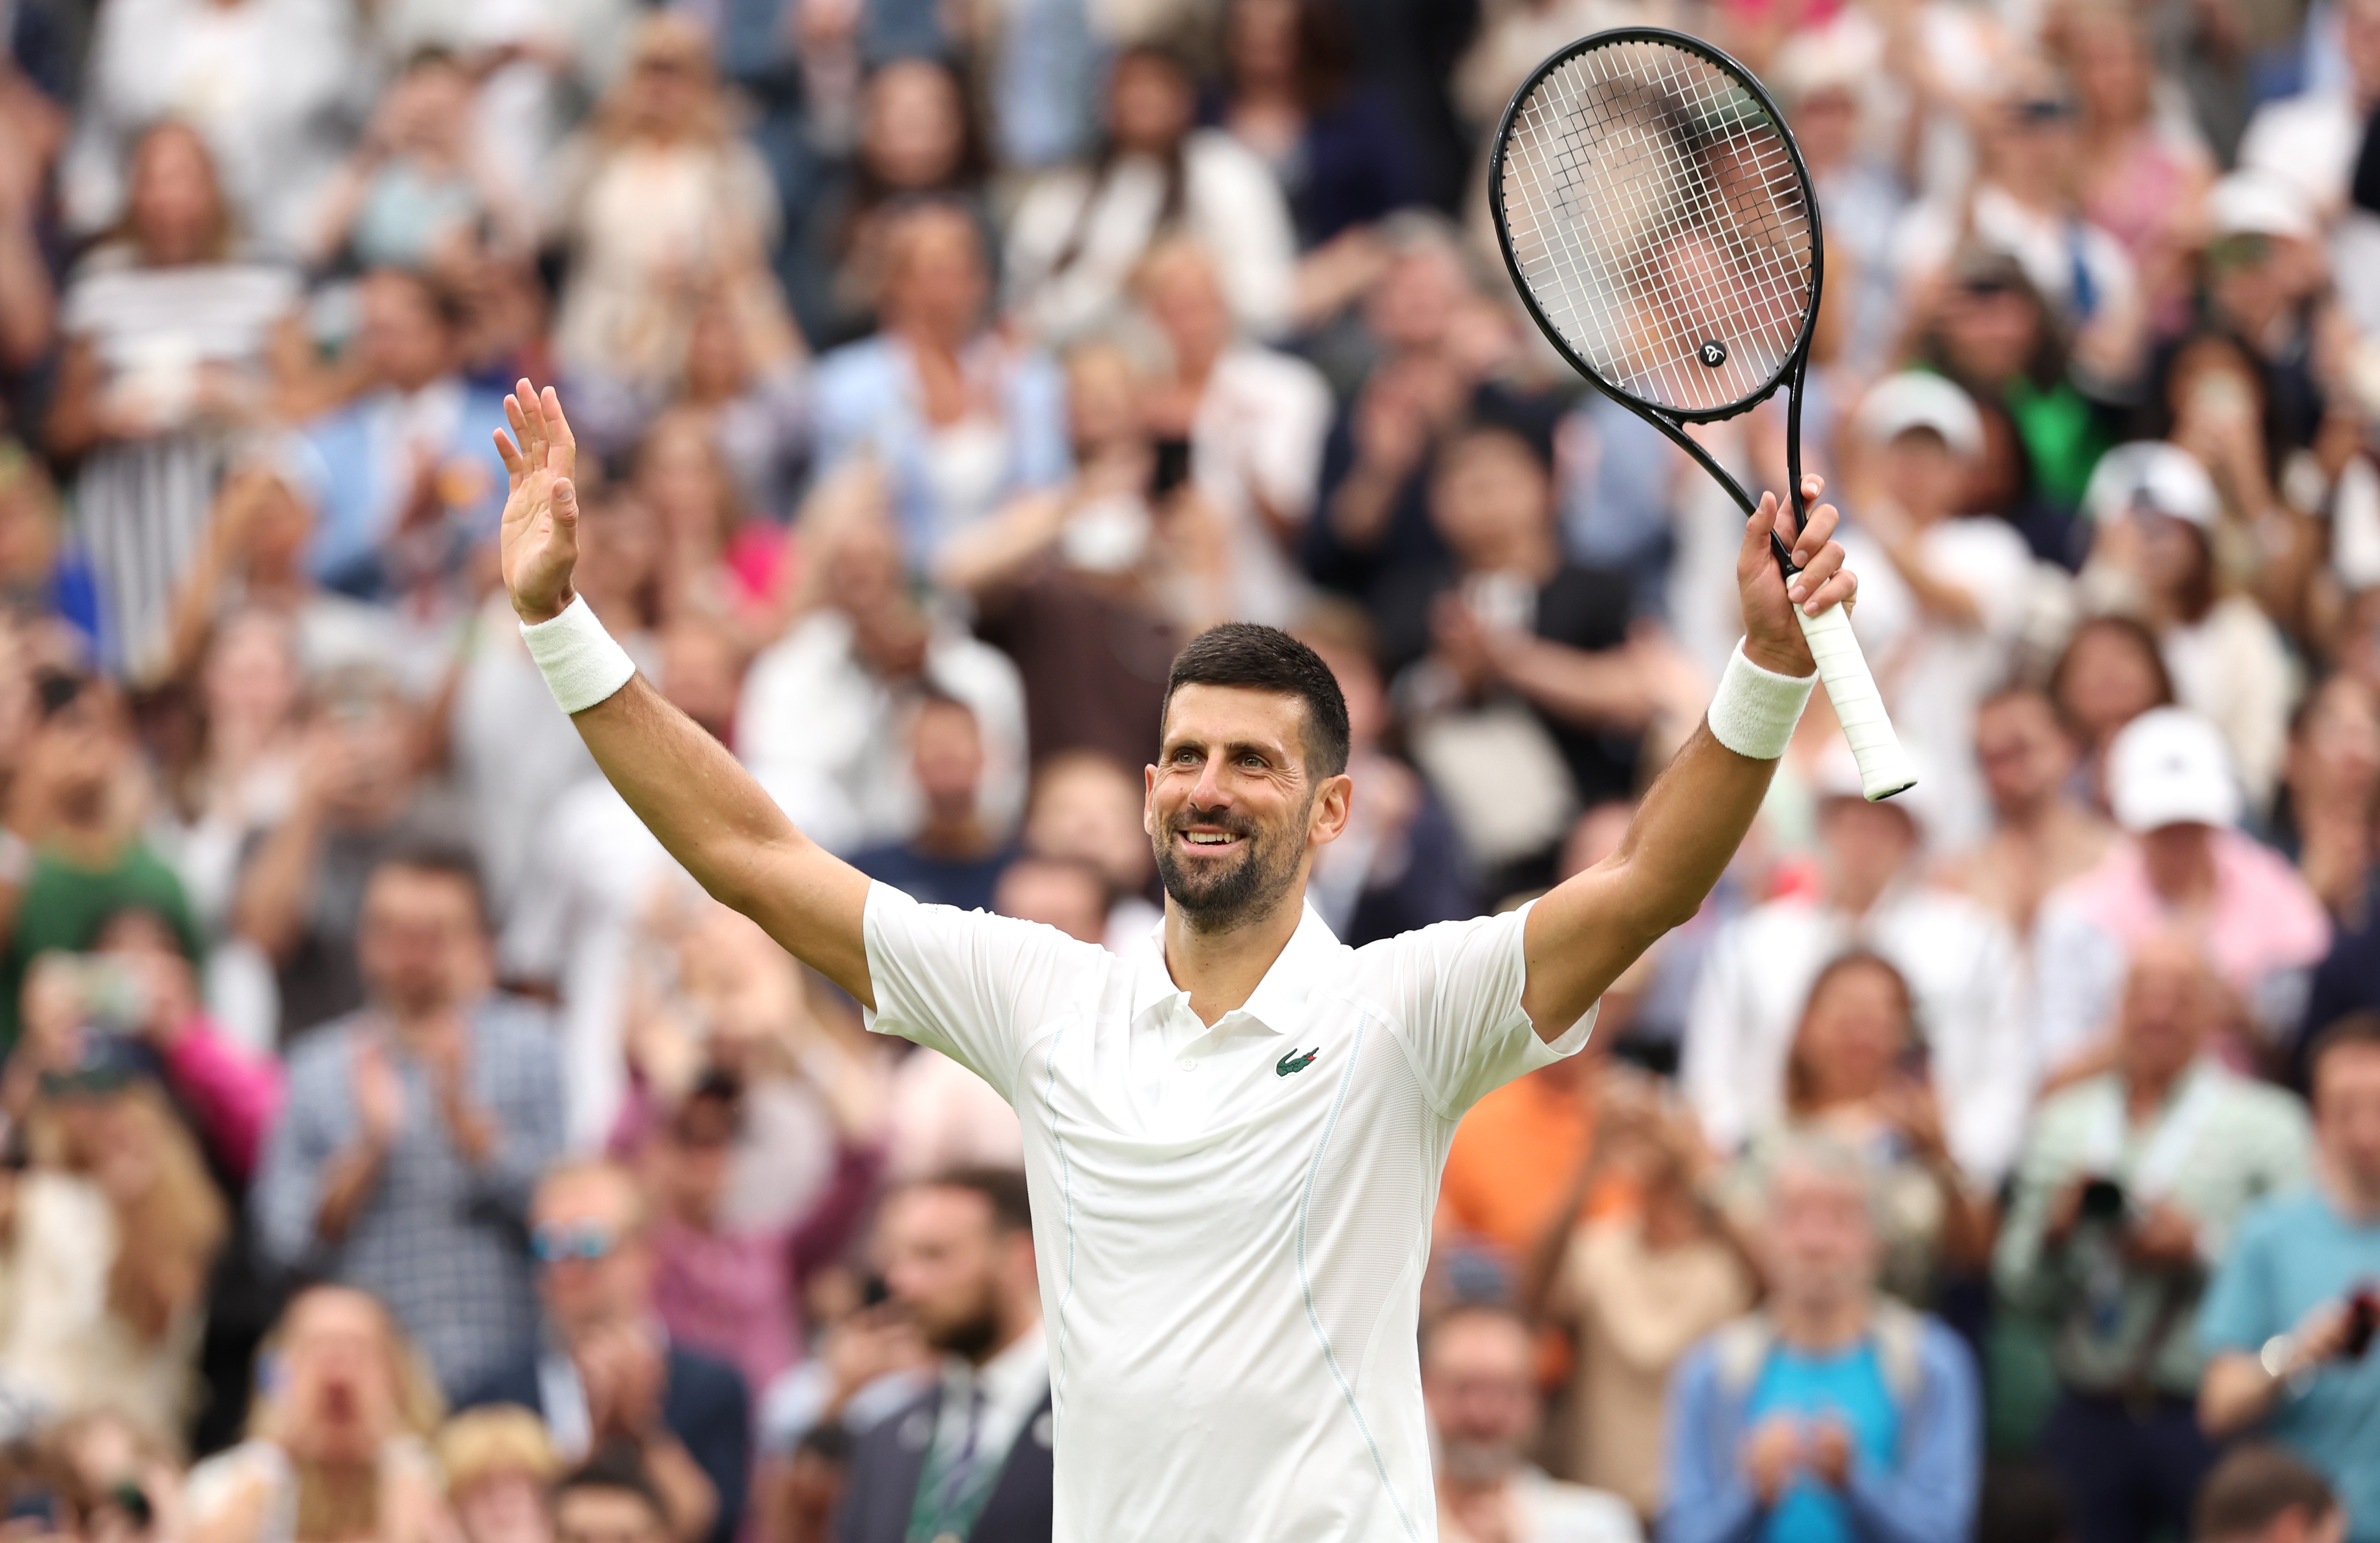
(1754, 711)
(581, 663)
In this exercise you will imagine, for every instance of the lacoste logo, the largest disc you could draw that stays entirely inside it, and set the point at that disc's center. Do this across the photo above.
(1293, 1062)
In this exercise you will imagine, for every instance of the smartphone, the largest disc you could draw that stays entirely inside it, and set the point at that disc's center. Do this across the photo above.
(1173, 468)
(2362, 1317)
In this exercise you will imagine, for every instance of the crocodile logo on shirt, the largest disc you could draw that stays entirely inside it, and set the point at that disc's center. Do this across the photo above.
(1293, 1062)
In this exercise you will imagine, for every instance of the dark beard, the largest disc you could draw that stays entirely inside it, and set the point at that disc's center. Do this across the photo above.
(973, 1338)
(1476, 1462)
(1252, 887)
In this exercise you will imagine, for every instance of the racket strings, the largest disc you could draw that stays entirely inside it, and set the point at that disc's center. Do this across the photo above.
(1654, 209)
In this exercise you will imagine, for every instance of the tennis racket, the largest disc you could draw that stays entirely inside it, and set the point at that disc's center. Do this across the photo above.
(1658, 220)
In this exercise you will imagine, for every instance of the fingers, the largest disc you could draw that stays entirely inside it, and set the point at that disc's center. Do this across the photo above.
(1818, 529)
(515, 466)
(565, 504)
(1763, 521)
(557, 427)
(527, 415)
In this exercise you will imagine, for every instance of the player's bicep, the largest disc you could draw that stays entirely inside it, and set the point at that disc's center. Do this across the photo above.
(814, 905)
(1581, 935)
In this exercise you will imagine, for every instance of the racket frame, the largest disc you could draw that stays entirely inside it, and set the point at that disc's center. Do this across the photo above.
(1671, 421)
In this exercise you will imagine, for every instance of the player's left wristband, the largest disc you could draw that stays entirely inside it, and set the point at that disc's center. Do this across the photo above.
(1755, 709)
(581, 663)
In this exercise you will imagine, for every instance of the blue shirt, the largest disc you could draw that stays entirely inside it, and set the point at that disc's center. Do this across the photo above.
(2288, 1254)
(1850, 1388)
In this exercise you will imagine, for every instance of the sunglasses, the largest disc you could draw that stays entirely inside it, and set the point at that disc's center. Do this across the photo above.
(2039, 112)
(556, 1244)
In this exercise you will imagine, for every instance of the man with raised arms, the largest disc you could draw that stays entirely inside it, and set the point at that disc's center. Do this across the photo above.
(1234, 1132)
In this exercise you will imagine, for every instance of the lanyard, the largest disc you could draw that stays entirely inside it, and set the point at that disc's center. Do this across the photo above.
(955, 1484)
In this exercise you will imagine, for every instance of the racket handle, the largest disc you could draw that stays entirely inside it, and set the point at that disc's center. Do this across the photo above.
(1884, 766)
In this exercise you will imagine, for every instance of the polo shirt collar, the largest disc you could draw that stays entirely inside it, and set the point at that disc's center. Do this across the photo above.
(1278, 1005)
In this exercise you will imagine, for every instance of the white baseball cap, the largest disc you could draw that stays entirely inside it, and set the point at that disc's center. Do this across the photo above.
(1914, 399)
(2258, 203)
(2165, 477)
(2168, 767)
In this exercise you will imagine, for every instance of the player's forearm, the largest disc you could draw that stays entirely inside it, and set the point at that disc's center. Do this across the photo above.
(719, 823)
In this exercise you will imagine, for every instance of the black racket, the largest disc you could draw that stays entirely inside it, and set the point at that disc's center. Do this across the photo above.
(1658, 222)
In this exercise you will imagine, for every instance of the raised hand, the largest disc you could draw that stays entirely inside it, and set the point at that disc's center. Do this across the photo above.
(539, 543)
(1772, 637)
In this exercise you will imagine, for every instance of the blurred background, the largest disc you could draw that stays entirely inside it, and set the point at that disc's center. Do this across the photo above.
(396, 1134)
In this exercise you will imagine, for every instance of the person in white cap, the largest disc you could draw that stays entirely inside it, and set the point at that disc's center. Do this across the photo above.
(2311, 139)
(1944, 595)
(2185, 868)
(2154, 514)
(1959, 960)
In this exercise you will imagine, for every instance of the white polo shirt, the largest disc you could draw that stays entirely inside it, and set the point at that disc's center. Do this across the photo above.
(1231, 1223)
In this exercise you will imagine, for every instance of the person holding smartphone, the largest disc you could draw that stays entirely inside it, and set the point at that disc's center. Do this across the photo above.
(2290, 1316)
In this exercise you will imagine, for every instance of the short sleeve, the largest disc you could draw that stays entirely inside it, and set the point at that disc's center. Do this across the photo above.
(976, 988)
(1453, 993)
(2238, 1312)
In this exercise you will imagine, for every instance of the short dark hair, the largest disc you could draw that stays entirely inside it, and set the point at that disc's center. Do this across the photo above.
(2356, 1030)
(1258, 658)
(618, 1467)
(446, 859)
(1002, 1189)
(2251, 1489)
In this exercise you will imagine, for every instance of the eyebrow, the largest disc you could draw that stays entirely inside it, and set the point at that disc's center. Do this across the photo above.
(1234, 749)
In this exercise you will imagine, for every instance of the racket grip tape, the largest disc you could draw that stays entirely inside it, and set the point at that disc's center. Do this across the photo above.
(1883, 766)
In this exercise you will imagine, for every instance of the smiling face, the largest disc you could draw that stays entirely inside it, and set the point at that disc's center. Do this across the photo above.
(1232, 812)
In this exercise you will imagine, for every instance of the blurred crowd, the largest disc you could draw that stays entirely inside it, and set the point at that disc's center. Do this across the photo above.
(399, 1146)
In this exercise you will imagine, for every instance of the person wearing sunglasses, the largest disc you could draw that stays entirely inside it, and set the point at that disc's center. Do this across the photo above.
(608, 1378)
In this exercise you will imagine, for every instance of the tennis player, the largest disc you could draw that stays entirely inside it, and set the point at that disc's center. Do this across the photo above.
(1232, 1134)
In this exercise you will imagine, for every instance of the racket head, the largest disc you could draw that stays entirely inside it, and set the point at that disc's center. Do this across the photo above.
(1651, 203)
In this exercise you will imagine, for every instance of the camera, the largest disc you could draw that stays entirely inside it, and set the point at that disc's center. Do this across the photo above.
(2103, 1200)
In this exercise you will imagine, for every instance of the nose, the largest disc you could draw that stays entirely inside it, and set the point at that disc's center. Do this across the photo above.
(1208, 792)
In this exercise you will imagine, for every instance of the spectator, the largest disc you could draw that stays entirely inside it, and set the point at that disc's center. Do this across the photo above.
(1943, 596)
(1078, 235)
(2131, 1182)
(339, 1438)
(2288, 1316)
(409, 478)
(748, 385)
(1477, 1385)
(2330, 807)
(2258, 1495)
(1400, 864)
(970, 1456)
(71, 854)
(956, 419)
(416, 1126)
(2185, 868)
(728, 1291)
(418, 192)
(1834, 1412)
(300, 894)
(2311, 139)
(604, 1380)
(1511, 624)
(171, 343)
(1086, 806)
(115, 1227)
(717, 562)
(2042, 834)
(821, 711)
(952, 859)
(498, 1464)
(1857, 1073)
(613, 1499)
(266, 88)
(1254, 420)
(1638, 1279)
(2109, 674)
(918, 138)
(2155, 516)
(1091, 588)
(658, 199)
(1959, 959)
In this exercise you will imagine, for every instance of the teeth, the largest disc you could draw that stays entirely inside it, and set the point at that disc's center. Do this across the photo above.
(1207, 840)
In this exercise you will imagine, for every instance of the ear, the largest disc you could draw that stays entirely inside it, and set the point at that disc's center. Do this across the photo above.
(1334, 804)
(1148, 802)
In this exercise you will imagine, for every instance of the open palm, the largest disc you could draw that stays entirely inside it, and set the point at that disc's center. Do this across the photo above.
(539, 542)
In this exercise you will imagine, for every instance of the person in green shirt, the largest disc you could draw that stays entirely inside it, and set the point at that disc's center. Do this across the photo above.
(2125, 1197)
(71, 854)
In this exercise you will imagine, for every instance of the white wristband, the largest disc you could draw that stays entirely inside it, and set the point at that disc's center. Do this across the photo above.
(1754, 711)
(581, 665)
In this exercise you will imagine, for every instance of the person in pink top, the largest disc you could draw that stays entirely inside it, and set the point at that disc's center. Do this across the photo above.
(2185, 869)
